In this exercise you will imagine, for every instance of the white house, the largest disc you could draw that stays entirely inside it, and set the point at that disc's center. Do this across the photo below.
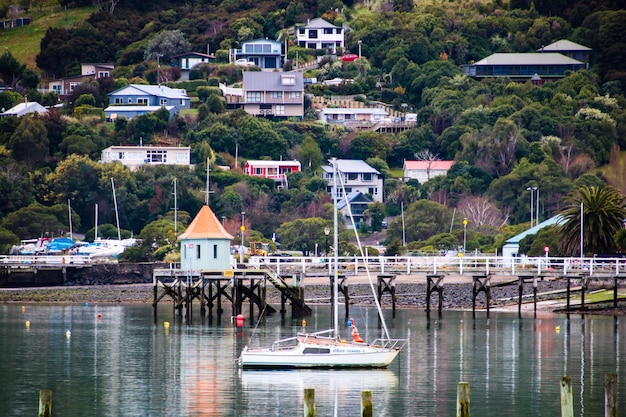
(24, 108)
(205, 245)
(354, 175)
(425, 170)
(320, 34)
(352, 115)
(136, 156)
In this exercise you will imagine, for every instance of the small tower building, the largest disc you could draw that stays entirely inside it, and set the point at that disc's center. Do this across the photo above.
(205, 245)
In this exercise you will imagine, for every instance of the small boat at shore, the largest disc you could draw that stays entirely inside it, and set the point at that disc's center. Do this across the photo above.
(327, 349)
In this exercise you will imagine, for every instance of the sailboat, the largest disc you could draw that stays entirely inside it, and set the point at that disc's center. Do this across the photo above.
(326, 348)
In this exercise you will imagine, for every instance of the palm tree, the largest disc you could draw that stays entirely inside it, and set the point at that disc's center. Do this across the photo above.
(603, 210)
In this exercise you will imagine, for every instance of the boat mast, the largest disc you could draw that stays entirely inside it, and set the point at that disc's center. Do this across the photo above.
(175, 210)
(96, 225)
(117, 217)
(69, 209)
(333, 162)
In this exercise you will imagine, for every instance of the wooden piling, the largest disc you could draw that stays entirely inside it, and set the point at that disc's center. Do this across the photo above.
(567, 403)
(309, 402)
(367, 409)
(434, 283)
(45, 403)
(387, 283)
(610, 395)
(482, 283)
(463, 399)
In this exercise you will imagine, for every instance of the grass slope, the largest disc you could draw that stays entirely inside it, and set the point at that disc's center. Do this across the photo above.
(24, 42)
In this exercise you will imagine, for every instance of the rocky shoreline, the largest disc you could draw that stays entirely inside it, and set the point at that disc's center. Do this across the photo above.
(456, 296)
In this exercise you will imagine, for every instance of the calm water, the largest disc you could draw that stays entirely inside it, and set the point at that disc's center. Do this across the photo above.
(119, 362)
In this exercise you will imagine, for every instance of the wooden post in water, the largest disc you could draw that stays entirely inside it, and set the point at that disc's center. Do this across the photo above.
(434, 283)
(367, 409)
(567, 404)
(309, 402)
(463, 399)
(610, 395)
(45, 403)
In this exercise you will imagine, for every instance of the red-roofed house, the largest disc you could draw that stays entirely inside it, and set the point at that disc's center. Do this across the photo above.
(205, 245)
(276, 170)
(425, 170)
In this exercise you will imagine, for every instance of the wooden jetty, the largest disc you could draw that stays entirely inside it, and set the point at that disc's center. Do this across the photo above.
(211, 288)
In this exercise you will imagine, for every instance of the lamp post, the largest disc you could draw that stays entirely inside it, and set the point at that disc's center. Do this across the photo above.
(360, 42)
(326, 233)
(464, 234)
(532, 206)
(243, 229)
(403, 232)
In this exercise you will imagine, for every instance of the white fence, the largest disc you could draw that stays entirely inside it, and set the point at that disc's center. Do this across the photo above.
(47, 260)
(471, 265)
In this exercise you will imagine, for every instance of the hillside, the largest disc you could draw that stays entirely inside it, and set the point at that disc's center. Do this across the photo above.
(24, 42)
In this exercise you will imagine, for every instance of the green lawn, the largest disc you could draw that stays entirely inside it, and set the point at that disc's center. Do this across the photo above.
(24, 42)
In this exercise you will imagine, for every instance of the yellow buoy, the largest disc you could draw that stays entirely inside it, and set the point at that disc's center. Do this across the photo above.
(27, 323)
(558, 329)
(166, 324)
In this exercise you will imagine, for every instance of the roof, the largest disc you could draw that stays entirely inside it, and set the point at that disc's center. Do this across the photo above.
(271, 81)
(318, 22)
(262, 163)
(205, 226)
(354, 196)
(424, 165)
(146, 148)
(533, 230)
(194, 54)
(148, 109)
(261, 40)
(25, 108)
(354, 110)
(152, 90)
(351, 165)
(546, 58)
(564, 45)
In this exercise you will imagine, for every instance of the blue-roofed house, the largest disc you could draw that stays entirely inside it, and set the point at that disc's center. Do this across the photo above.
(511, 246)
(356, 175)
(264, 53)
(137, 99)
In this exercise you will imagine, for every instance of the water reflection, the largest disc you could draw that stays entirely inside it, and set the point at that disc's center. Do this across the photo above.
(118, 361)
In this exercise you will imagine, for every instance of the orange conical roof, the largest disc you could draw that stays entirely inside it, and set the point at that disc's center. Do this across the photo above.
(205, 226)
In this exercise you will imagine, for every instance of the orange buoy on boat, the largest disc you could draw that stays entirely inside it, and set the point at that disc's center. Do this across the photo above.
(355, 332)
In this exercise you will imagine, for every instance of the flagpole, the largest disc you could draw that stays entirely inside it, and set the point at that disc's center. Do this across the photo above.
(581, 230)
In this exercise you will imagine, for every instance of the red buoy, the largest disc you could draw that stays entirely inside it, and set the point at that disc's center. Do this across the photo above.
(239, 320)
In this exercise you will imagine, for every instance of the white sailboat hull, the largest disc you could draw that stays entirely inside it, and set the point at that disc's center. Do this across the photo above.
(324, 353)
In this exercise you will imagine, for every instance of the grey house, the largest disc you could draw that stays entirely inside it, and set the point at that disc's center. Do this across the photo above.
(137, 99)
(273, 94)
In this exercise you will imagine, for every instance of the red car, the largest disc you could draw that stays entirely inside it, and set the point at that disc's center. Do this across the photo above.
(349, 57)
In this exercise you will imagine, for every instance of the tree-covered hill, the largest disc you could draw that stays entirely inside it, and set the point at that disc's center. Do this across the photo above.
(505, 137)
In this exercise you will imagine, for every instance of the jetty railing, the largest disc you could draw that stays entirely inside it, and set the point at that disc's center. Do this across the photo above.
(462, 265)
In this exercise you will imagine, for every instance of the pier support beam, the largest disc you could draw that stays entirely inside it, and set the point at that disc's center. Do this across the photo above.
(434, 283)
(387, 284)
(482, 283)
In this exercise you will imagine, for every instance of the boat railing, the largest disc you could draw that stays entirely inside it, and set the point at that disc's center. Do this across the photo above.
(389, 343)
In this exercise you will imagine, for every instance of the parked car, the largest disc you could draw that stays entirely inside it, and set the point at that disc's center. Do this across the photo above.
(242, 62)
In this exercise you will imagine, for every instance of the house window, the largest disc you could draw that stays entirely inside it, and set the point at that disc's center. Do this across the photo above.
(328, 31)
(121, 155)
(295, 94)
(56, 89)
(103, 74)
(130, 100)
(288, 80)
(367, 177)
(73, 86)
(352, 176)
(372, 190)
(197, 251)
(142, 101)
(158, 156)
(214, 251)
(277, 94)
(253, 96)
(163, 101)
(301, 31)
(280, 110)
(258, 171)
(312, 33)
(119, 100)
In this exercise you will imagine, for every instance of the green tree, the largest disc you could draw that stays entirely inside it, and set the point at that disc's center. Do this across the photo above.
(29, 142)
(166, 44)
(310, 154)
(603, 213)
(370, 145)
(303, 234)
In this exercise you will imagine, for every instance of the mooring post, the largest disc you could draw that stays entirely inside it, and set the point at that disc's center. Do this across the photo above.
(568, 292)
(583, 290)
(567, 404)
(309, 402)
(45, 403)
(463, 399)
(434, 283)
(535, 295)
(367, 409)
(610, 395)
